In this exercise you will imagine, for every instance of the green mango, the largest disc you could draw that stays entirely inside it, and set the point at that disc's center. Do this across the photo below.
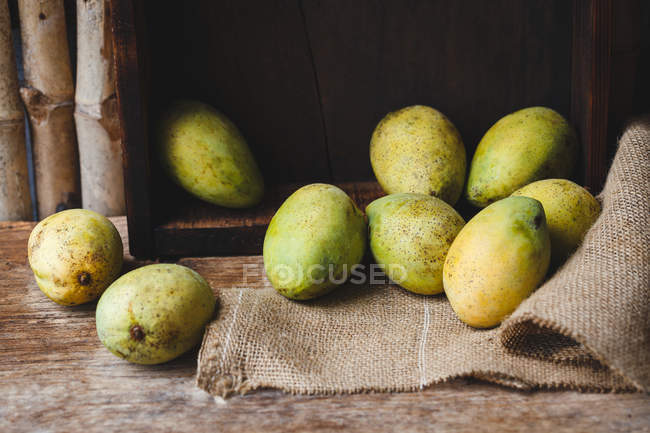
(417, 149)
(497, 260)
(570, 211)
(528, 145)
(410, 235)
(154, 313)
(75, 255)
(313, 242)
(204, 152)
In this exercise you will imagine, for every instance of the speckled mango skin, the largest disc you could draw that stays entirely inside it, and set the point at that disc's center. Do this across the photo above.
(75, 255)
(317, 225)
(414, 232)
(570, 211)
(154, 313)
(204, 152)
(417, 149)
(528, 145)
(497, 260)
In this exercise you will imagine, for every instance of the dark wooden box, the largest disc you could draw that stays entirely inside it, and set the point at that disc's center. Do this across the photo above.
(307, 81)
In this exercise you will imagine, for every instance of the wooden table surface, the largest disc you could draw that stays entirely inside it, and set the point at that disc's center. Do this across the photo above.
(56, 376)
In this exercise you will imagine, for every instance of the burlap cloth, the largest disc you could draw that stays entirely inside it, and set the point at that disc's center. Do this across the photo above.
(586, 328)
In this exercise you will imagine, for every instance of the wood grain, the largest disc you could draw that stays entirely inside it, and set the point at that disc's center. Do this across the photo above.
(129, 64)
(56, 376)
(590, 85)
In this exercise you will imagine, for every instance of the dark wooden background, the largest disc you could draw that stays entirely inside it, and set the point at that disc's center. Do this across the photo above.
(307, 81)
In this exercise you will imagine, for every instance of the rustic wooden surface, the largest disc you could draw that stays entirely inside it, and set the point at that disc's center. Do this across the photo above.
(56, 376)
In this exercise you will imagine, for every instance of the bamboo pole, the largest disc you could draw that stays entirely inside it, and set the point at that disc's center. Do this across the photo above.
(48, 95)
(100, 152)
(15, 201)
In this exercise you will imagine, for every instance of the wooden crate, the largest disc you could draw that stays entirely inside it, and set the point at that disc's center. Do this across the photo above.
(307, 81)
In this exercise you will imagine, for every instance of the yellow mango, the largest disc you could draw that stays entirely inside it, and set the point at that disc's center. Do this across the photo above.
(570, 211)
(410, 235)
(75, 255)
(313, 242)
(528, 145)
(497, 260)
(417, 149)
(204, 152)
(154, 313)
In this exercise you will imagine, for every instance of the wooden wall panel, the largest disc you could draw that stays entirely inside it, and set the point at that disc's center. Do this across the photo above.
(131, 72)
(590, 86)
(308, 80)
(473, 60)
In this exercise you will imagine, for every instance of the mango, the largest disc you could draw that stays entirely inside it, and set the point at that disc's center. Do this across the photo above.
(204, 153)
(497, 260)
(75, 255)
(417, 149)
(528, 145)
(154, 313)
(410, 235)
(570, 211)
(313, 242)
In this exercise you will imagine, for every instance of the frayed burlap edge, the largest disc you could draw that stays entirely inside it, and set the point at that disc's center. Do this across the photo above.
(516, 330)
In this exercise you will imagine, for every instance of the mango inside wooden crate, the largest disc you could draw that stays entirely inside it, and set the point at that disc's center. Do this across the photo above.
(307, 82)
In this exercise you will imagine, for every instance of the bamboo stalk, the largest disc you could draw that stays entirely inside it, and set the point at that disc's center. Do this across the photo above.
(48, 95)
(15, 201)
(100, 152)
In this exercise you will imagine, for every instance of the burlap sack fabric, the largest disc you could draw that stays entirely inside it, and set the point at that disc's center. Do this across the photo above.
(586, 328)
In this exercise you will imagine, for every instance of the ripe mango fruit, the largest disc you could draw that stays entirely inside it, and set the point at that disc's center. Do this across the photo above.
(204, 152)
(154, 313)
(417, 149)
(410, 235)
(313, 242)
(497, 260)
(528, 145)
(570, 211)
(75, 255)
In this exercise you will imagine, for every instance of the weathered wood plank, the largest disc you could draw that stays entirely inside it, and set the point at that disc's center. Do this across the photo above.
(56, 376)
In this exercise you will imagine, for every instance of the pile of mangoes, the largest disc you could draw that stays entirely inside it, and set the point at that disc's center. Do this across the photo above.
(316, 240)
(486, 267)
